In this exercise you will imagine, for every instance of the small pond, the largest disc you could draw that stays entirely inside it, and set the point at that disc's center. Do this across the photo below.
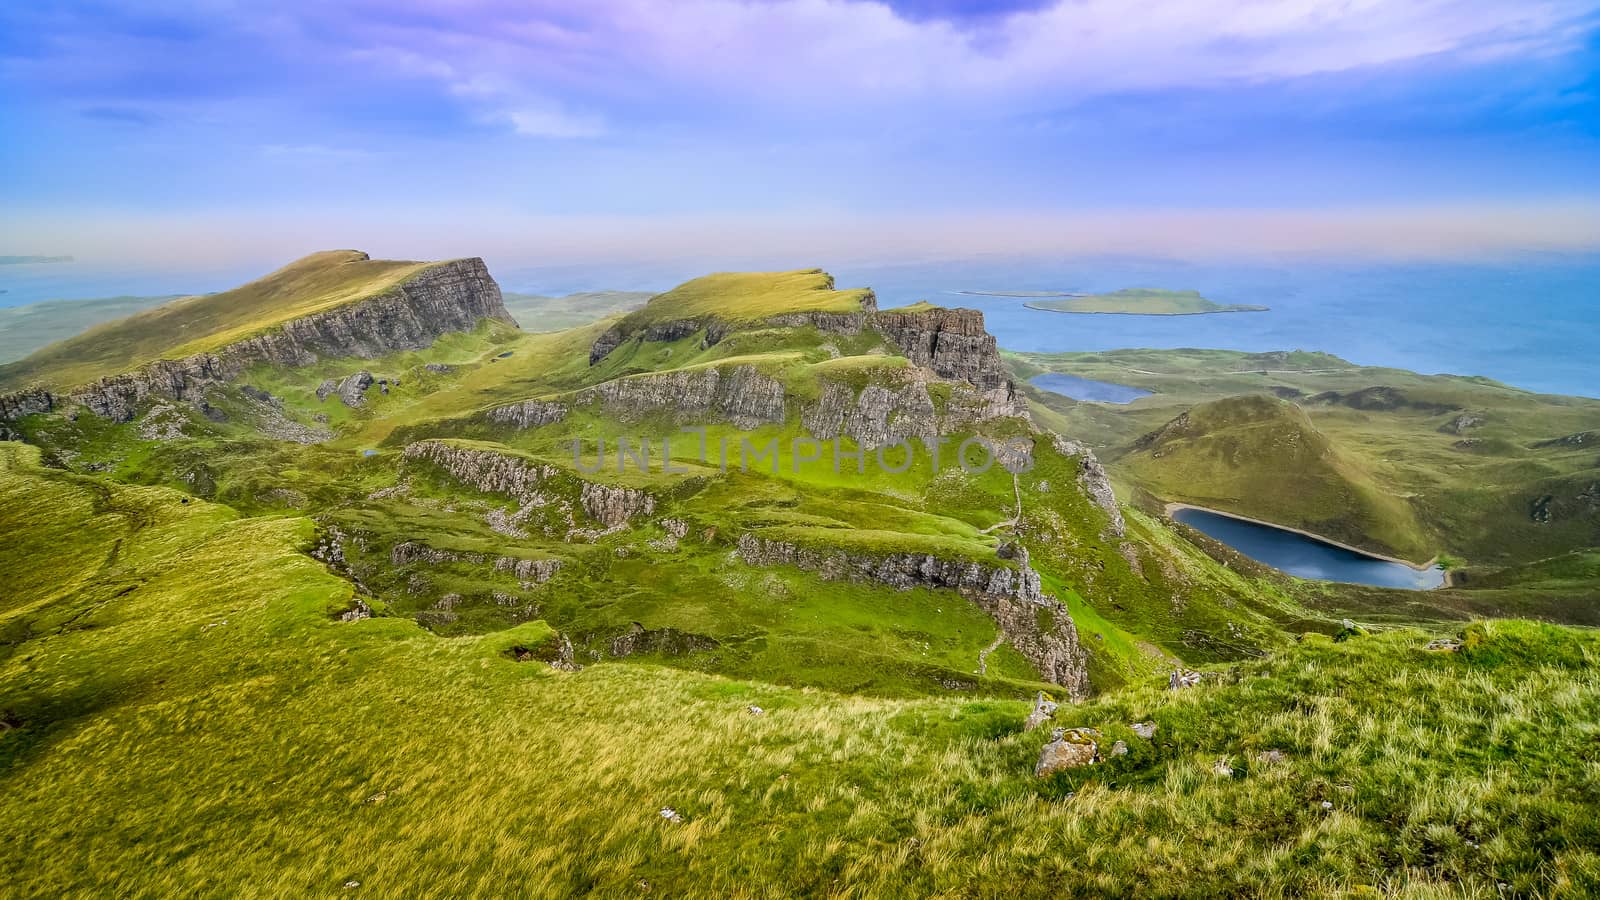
(1307, 557)
(1085, 389)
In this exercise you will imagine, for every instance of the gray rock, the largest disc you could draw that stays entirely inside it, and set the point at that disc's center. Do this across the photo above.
(1043, 710)
(528, 413)
(1120, 748)
(1070, 748)
(1182, 678)
(1146, 730)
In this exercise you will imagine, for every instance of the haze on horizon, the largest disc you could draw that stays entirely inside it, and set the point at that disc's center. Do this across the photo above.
(630, 129)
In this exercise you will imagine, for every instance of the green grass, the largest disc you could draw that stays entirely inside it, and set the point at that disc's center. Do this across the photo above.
(1141, 302)
(184, 717)
(749, 296)
(196, 324)
(1468, 492)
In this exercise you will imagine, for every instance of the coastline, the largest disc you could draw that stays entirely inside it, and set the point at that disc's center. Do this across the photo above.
(1417, 567)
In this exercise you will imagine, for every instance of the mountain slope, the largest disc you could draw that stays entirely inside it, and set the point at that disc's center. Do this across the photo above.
(176, 695)
(316, 284)
(1262, 456)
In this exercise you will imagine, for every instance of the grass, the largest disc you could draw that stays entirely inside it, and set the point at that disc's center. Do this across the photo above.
(196, 324)
(182, 712)
(171, 672)
(1466, 490)
(1141, 302)
(749, 296)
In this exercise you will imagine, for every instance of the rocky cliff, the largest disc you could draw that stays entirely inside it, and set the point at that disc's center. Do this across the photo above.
(450, 296)
(549, 489)
(1038, 626)
(528, 571)
(738, 394)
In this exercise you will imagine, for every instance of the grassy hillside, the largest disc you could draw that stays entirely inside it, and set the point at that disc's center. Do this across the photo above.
(180, 704)
(1141, 302)
(1489, 473)
(749, 296)
(1261, 455)
(193, 325)
(187, 707)
(24, 329)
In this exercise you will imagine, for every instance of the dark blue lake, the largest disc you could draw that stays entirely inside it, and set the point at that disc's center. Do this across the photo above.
(1087, 389)
(1307, 557)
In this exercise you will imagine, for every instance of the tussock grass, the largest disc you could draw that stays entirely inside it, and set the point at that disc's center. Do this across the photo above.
(152, 749)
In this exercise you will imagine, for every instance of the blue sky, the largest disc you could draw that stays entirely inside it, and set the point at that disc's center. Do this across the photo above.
(609, 124)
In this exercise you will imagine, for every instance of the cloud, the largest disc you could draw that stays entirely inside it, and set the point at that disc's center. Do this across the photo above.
(552, 123)
(850, 53)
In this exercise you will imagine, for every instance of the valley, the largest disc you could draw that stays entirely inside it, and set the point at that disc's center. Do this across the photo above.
(356, 575)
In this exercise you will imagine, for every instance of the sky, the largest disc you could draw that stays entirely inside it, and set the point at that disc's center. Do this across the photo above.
(620, 128)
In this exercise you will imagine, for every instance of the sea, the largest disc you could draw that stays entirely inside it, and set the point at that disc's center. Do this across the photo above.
(1531, 321)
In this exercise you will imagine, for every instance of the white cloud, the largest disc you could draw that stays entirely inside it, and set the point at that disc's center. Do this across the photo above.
(850, 53)
(552, 123)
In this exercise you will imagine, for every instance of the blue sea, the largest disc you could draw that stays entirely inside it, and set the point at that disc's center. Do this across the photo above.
(1532, 322)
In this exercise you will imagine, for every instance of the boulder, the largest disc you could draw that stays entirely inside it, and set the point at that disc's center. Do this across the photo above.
(1043, 709)
(1071, 748)
(1146, 730)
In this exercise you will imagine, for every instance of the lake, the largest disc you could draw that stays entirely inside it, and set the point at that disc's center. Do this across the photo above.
(1304, 556)
(1087, 389)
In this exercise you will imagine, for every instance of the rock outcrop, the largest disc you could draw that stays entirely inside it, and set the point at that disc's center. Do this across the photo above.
(741, 395)
(954, 344)
(535, 485)
(614, 507)
(528, 571)
(485, 470)
(528, 413)
(1092, 475)
(450, 296)
(1037, 626)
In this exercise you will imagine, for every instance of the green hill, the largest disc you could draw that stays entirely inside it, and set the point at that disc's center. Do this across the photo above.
(319, 282)
(376, 623)
(750, 296)
(1262, 456)
(1489, 473)
(177, 670)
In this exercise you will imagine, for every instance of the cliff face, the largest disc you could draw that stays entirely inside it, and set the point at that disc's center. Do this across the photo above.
(448, 297)
(1038, 626)
(955, 344)
(548, 493)
(738, 394)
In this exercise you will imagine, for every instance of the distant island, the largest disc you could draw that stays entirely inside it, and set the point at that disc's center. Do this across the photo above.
(1141, 302)
(25, 260)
